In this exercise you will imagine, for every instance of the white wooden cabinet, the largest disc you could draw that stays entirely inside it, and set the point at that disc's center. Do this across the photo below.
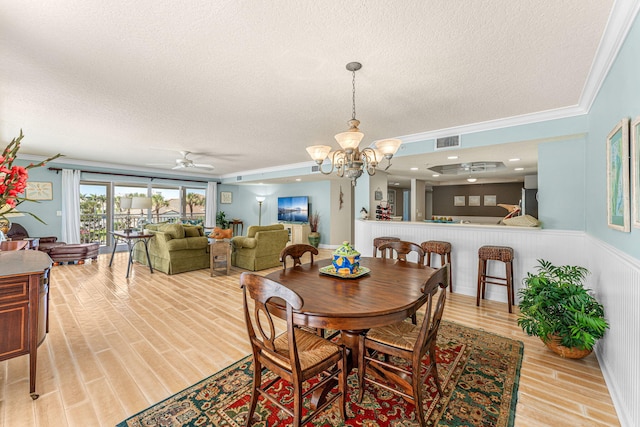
(298, 233)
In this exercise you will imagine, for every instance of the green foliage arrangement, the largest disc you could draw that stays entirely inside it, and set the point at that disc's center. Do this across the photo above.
(555, 302)
(221, 220)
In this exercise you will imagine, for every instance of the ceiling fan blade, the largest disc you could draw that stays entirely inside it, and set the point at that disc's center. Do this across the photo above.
(199, 165)
(181, 166)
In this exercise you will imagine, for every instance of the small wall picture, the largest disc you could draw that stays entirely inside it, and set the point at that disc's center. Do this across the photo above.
(458, 200)
(490, 200)
(226, 197)
(39, 190)
(474, 200)
(391, 196)
(618, 177)
(378, 194)
(635, 170)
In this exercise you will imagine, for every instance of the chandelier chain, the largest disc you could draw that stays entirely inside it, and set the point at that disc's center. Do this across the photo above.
(349, 161)
(353, 95)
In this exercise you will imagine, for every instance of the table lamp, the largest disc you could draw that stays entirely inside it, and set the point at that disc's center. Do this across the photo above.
(141, 203)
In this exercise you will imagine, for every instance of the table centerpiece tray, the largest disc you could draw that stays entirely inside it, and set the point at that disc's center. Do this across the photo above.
(330, 270)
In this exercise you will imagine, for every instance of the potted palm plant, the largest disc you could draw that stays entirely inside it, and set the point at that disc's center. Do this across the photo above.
(221, 220)
(556, 307)
(314, 236)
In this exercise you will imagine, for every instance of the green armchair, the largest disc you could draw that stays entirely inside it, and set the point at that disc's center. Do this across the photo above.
(261, 247)
(175, 248)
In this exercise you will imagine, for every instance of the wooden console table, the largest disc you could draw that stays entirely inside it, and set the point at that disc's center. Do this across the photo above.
(24, 306)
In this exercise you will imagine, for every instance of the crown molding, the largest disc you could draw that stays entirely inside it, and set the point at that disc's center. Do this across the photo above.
(621, 19)
(507, 122)
(282, 168)
(105, 167)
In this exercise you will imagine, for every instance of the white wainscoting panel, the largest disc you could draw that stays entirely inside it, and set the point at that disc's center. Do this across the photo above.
(528, 245)
(615, 280)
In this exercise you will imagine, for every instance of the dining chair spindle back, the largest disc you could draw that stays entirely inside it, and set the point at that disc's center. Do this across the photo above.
(295, 356)
(401, 249)
(407, 341)
(296, 252)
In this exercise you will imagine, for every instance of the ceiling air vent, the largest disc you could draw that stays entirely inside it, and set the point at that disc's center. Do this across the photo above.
(448, 142)
(238, 178)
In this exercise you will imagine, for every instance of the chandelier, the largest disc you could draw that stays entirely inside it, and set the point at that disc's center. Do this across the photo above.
(349, 160)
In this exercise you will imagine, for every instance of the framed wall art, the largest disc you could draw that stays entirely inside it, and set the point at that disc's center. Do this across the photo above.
(635, 170)
(226, 197)
(474, 200)
(618, 177)
(458, 200)
(378, 194)
(391, 196)
(490, 200)
(39, 190)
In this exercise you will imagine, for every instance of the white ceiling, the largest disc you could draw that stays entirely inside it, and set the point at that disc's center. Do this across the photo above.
(255, 82)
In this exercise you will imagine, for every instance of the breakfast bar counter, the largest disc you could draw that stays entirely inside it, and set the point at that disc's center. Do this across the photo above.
(529, 245)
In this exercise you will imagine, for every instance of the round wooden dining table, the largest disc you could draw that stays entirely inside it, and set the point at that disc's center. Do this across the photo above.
(389, 293)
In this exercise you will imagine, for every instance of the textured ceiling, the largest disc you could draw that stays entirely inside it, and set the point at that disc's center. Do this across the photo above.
(255, 82)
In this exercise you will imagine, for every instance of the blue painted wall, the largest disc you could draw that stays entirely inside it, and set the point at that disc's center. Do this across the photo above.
(618, 97)
(246, 208)
(561, 184)
(46, 210)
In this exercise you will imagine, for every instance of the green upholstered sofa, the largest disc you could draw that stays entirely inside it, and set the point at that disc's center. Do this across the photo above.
(175, 248)
(261, 247)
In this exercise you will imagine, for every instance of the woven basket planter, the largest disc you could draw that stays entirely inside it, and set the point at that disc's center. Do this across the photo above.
(553, 342)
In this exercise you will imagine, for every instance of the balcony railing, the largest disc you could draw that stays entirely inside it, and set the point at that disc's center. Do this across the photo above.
(93, 227)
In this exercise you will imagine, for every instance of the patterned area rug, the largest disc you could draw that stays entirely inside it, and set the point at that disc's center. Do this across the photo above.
(479, 374)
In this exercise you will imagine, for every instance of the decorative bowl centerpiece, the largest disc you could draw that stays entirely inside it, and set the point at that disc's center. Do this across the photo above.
(346, 260)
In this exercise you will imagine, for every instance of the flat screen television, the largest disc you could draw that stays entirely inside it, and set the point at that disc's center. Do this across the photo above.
(293, 209)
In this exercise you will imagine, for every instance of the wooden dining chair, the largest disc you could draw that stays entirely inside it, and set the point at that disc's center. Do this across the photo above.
(295, 252)
(401, 249)
(295, 356)
(407, 341)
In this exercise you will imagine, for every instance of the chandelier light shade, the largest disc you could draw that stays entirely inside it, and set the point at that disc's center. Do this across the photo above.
(319, 152)
(349, 160)
(388, 147)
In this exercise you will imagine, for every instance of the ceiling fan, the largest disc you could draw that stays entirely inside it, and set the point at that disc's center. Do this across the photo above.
(184, 162)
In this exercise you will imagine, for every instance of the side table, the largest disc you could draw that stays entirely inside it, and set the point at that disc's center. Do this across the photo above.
(219, 252)
(131, 239)
(234, 225)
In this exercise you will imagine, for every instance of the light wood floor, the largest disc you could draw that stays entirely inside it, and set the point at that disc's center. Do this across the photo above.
(117, 346)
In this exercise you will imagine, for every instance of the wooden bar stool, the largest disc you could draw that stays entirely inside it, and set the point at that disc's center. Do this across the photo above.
(495, 253)
(440, 248)
(378, 241)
